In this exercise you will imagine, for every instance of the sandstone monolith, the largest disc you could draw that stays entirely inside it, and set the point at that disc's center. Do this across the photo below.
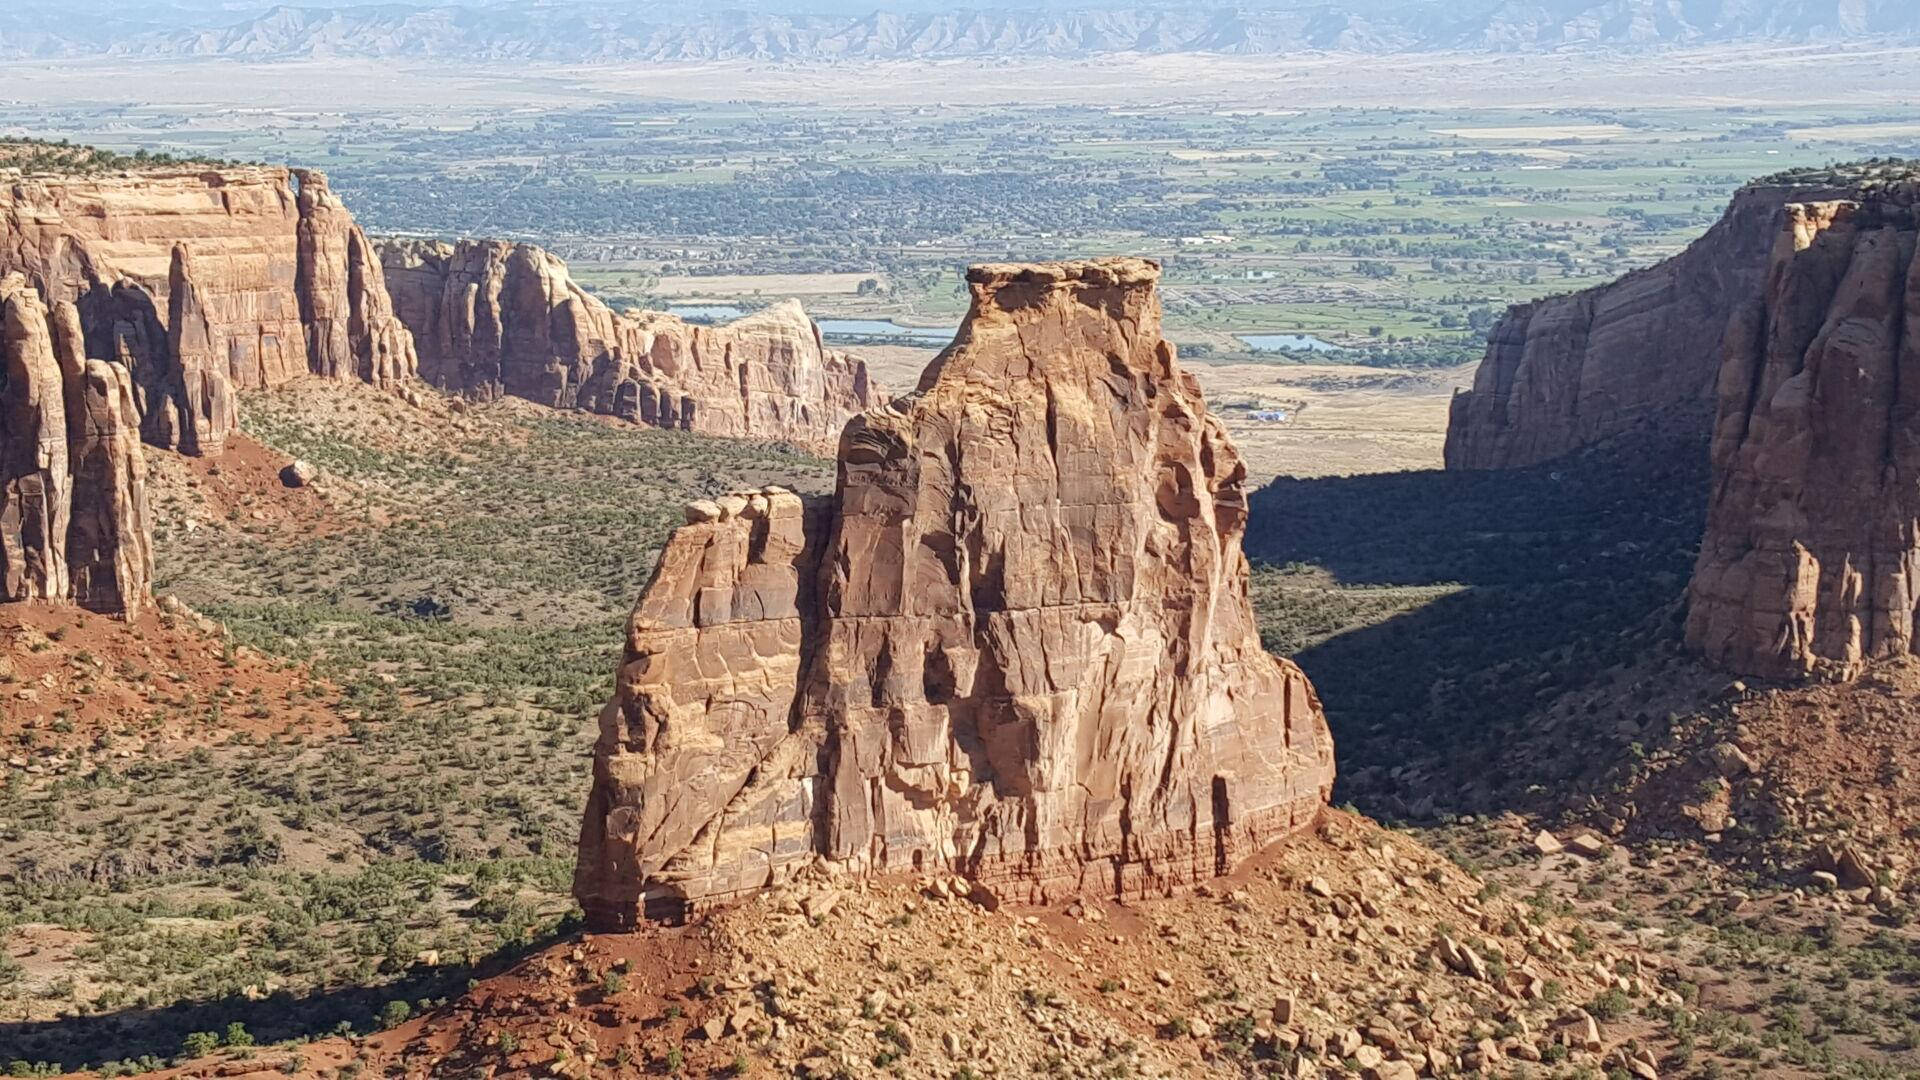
(73, 515)
(351, 329)
(1016, 644)
(35, 497)
(198, 385)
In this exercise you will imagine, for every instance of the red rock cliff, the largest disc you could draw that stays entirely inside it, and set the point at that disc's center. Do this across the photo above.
(1811, 560)
(1016, 644)
(73, 522)
(1568, 371)
(492, 317)
(281, 282)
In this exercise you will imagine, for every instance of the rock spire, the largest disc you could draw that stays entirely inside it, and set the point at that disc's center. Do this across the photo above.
(1015, 645)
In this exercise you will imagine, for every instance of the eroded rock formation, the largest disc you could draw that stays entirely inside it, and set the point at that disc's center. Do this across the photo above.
(351, 329)
(72, 479)
(1015, 645)
(281, 282)
(1572, 370)
(491, 317)
(193, 403)
(1811, 561)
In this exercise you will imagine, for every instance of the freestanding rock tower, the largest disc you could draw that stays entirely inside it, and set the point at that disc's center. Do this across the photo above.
(73, 502)
(1016, 644)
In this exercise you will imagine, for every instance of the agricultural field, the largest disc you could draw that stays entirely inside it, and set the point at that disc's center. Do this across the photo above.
(1396, 234)
(407, 658)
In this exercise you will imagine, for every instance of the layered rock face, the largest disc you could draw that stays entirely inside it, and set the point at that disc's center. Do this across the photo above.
(351, 329)
(1572, 370)
(73, 522)
(1811, 560)
(1015, 645)
(279, 281)
(495, 318)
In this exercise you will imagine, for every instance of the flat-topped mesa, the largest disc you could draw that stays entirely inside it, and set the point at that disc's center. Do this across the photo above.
(283, 284)
(493, 318)
(1015, 645)
(1810, 563)
(1634, 354)
(73, 513)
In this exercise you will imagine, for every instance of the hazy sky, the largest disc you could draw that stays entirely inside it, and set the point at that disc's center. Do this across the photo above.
(682, 7)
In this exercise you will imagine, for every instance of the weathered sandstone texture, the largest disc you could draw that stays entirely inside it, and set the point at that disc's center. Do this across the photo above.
(1015, 645)
(1572, 370)
(494, 318)
(1811, 560)
(351, 329)
(277, 280)
(73, 514)
(191, 405)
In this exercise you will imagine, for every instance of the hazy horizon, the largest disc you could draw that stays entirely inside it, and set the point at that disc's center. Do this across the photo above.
(865, 29)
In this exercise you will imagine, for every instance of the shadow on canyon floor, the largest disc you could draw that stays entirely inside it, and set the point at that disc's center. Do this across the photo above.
(131, 1035)
(1451, 605)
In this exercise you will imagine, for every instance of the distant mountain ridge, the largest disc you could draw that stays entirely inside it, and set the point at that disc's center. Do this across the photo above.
(565, 31)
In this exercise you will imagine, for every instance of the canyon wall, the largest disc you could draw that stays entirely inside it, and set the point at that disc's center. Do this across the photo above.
(1811, 560)
(73, 509)
(203, 282)
(1568, 371)
(1015, 645)
(494, 318)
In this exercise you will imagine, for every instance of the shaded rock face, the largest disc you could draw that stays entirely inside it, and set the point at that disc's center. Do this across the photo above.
(1016, 644)
(73, 508)
(351, 330)
(1811, 562)
(1569, 371)
(281, 282)
(192, 397)
(493, 318)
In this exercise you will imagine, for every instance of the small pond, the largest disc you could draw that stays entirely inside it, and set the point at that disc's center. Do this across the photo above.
(886, 330)
(1276, 342)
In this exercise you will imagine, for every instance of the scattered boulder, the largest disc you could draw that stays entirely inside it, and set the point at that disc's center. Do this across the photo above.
(1731, 761)
(1848, 865)
(1587, 845)
(299, 473)
(1461, 959)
